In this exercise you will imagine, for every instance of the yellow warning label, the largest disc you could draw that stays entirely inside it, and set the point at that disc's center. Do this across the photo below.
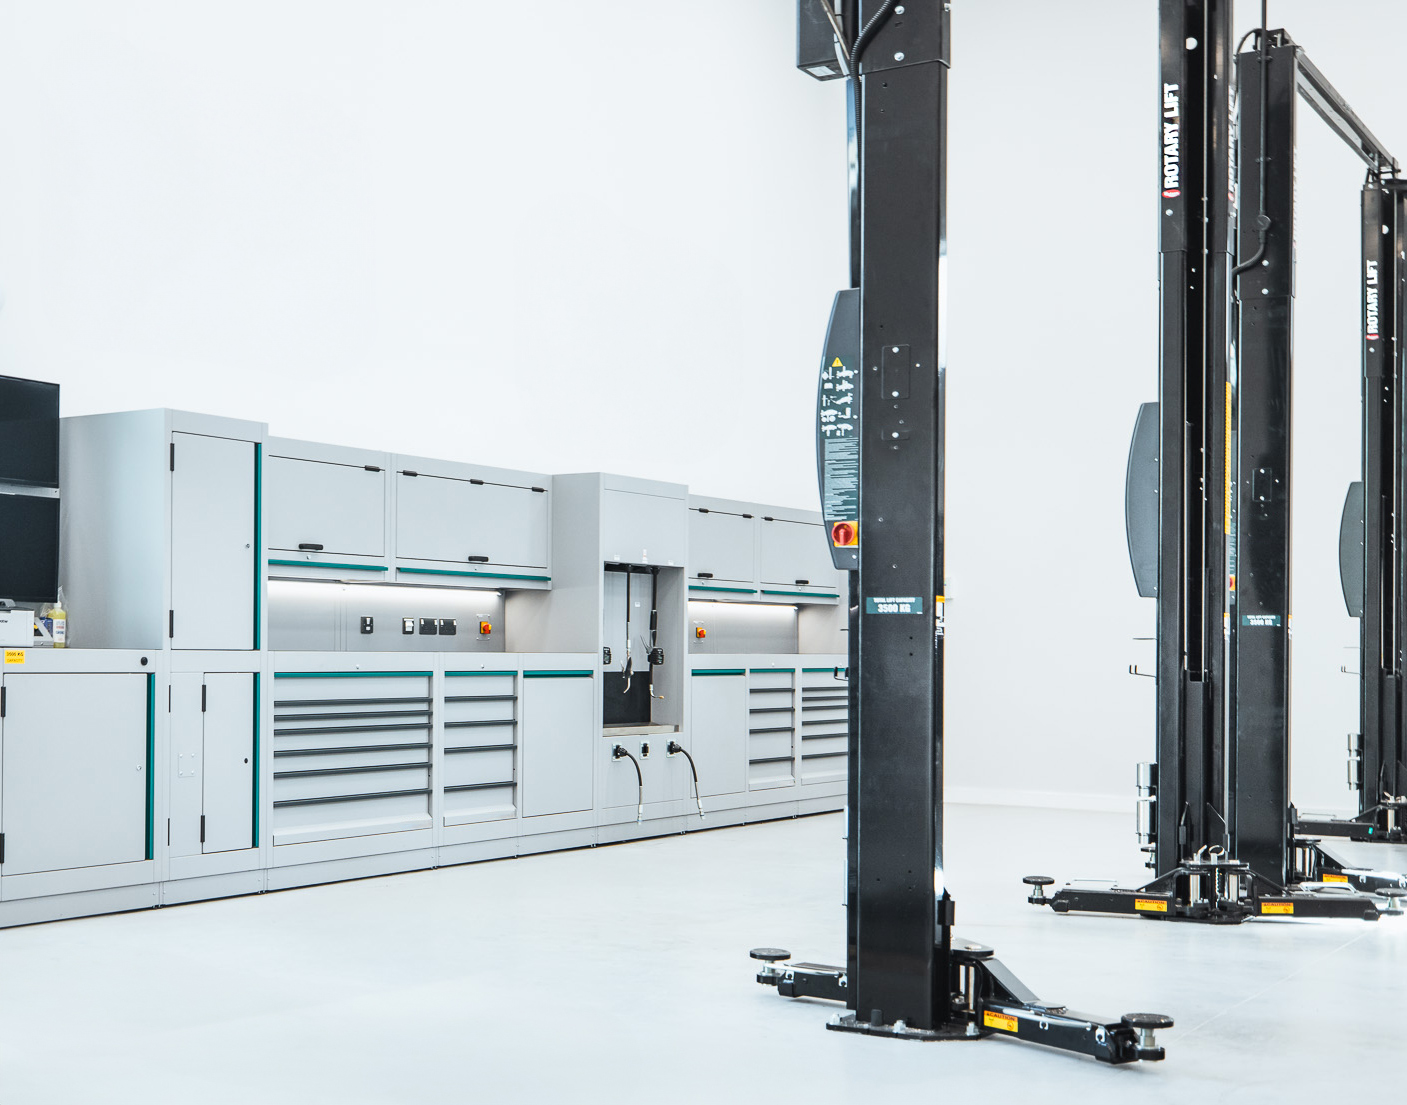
(837, 363)
(1277, 907)
(939, 598)
(1333, 878)
(998, 1020)
(1150, 905)
(14, 656)
(1227, 489)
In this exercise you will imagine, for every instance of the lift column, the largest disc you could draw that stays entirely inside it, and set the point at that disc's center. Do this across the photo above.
(903, 911)
(1195, 242)
(1259, 754)
(1384, 241)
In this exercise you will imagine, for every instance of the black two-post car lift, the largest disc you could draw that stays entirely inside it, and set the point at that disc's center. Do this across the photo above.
(1213, 544)
(906, 975)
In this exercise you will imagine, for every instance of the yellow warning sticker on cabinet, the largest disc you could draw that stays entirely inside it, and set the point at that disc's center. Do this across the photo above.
(1277, 907)
(14, 656)
(1150, 905)
(998, 1020)
(1333, 878)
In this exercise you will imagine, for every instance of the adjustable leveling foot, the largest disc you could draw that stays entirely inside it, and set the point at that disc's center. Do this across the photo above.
(986, 999)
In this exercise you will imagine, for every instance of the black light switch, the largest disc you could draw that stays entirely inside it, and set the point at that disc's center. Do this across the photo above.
(367, 624)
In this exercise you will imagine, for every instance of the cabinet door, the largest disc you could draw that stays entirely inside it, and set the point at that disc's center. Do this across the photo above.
(459, 521)
(640, 528)
(340, 507)
(718, 732)
(228, 777)
(790, 552)
(73, 771)
(212, 543)
(558, 719)
(722, 546)
(186, 803)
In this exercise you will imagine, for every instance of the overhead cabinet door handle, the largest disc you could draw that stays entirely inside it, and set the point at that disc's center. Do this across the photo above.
(803, 582)
(705, 575)
(478, 560)
(308, 546)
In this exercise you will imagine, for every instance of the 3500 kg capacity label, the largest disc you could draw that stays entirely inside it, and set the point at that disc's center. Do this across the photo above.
(892, 605)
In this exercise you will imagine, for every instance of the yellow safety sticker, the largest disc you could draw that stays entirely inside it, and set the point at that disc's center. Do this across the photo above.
(1333, 878)
(998, 1020)
(1150, 905)
(14, 656)
(1277, 907)
(837, 363)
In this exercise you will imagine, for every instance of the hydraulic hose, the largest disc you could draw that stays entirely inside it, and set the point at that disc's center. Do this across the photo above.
(619, 752)
(674, 748)
(1262, 219)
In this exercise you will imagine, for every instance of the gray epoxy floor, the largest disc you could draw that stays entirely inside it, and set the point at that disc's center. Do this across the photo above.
(621, 975)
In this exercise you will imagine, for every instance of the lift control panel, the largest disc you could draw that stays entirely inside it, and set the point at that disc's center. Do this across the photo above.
(838, 431)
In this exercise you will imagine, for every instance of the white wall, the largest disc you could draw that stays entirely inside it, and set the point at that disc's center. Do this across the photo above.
(476, 229)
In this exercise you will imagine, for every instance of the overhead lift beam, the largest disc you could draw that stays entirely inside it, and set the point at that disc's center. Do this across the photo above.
(907, 976)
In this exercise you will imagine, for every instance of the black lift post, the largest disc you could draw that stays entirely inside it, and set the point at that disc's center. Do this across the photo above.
(1221, 828)
(906, 976)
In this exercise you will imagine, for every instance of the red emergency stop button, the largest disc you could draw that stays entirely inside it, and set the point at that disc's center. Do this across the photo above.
(845, 535)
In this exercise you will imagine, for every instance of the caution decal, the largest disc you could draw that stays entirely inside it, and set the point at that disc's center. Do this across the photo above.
(999, 1020)
(1277, 907)
(1334, 878)
(1150, 905)
(14, 656)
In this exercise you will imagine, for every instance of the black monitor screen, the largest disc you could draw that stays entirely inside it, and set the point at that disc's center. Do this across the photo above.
(29, 432)
(29, 548)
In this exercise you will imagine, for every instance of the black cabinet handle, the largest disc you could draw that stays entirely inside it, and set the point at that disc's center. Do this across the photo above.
(478, 560)
(308, 546)
(705, 575)
(803, 582)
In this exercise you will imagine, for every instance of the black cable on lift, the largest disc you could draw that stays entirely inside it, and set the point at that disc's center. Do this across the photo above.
(866, 33)
(619, 752)
(674, 748)
(1262, 219)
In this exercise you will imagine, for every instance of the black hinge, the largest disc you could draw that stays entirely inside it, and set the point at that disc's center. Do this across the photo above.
(202, 828)
(747, 515)
(2, 848)
(173, 456)
(171, 624)
(372, 467)
(2, 700)
(168, 698)
(168, 832)
(409, 472)
(203, 689)
(539, 490)
(477, 483)
(703, 510)
(768, 518)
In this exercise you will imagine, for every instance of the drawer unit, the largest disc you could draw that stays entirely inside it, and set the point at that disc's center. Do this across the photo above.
(480, 746)
(722, 546)
(325, 508)
(351, 754)
(825, 714)
(469, 522)
(771, 728)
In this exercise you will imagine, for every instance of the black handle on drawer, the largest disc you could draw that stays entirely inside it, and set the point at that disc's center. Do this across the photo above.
(803, 582)
(478, 560)
(705, 575)
(308, 546)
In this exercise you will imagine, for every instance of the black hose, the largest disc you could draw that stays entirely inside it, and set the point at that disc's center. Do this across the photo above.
(867, 32)
(617, 753)
(673, 748)
(1262, 219)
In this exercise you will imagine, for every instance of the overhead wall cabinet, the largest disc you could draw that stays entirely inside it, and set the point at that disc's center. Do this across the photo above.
(327, 509)
(465, 525)
(740, 552)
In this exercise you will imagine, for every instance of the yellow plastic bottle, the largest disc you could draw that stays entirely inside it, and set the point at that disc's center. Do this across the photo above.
(60, 622)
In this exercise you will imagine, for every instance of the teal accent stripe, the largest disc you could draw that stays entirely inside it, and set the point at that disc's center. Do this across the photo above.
(832, 669)
(558, 674)
(257, 769)
(779, 671)
(151, 761)
(258, 540)
(471, 575)
(801, 594)
(718, 671)
(311, 564)
(346, 674)
(730, 590)
(471, 674)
